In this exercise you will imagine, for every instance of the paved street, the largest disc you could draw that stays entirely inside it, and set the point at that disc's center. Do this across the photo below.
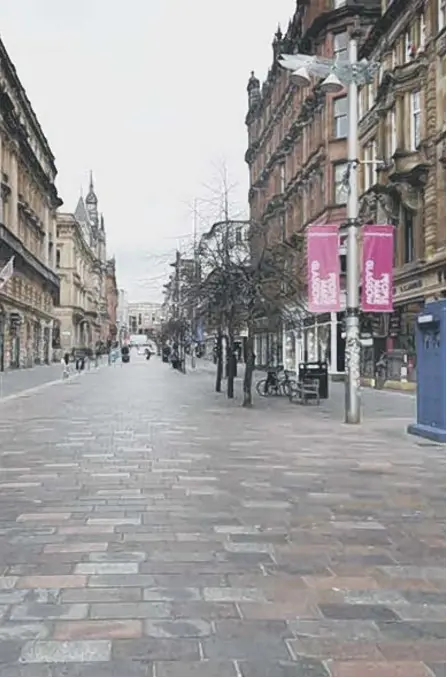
(150, 527)
(13, 382)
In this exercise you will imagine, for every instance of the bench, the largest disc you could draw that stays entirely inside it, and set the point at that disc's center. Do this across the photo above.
(306, 391)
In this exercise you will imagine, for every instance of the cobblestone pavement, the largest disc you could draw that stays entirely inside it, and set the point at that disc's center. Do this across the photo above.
(150, 527)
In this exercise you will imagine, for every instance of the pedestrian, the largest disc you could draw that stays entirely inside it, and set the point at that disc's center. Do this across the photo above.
(65, 362)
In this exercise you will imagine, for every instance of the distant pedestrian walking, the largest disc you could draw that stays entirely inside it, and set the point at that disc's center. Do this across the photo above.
(65, 362)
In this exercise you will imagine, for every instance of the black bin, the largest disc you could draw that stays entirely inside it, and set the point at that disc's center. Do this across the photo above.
(316, 370)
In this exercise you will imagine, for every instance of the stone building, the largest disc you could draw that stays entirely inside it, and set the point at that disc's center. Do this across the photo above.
(144, 317)
(297, 159)
(112, 300)
(123, 315)
(85, 274)
(28, 203)
(402, 138)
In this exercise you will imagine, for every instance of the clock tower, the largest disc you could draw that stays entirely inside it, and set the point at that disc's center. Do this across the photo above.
(91, 203)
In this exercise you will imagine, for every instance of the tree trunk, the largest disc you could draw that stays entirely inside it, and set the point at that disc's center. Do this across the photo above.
(230, 363)
(249, 368)
(219, 371)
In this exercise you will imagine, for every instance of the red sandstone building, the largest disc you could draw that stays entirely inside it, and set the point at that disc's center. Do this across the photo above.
(297, 158)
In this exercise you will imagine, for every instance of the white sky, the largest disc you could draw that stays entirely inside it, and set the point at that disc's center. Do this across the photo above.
(150, 95)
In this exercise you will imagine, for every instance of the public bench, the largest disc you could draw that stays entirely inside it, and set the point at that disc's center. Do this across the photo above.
(304, 392)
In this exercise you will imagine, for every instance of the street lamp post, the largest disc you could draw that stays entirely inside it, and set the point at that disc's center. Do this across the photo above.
(339, 73)
(352, 352)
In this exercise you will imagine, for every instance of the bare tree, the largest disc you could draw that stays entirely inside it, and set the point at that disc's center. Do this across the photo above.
(237, 288)
(243, 276)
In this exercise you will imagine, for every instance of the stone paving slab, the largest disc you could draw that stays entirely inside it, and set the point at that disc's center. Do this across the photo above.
(150, 527)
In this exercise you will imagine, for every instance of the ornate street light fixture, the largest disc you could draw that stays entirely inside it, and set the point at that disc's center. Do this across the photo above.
(340, 73)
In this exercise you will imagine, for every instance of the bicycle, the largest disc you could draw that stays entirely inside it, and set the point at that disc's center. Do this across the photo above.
(275, 385)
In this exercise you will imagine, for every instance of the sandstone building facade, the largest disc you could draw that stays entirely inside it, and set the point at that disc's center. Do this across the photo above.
(402, 136)
(86, 311)
(297, 159)
(28, 204)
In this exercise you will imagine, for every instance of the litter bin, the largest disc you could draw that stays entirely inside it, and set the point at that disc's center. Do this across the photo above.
(315, 370)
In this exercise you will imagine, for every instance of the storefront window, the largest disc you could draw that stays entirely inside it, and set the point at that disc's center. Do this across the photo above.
(311, 348)
(290, 351)
(406, 339)
(324, 343)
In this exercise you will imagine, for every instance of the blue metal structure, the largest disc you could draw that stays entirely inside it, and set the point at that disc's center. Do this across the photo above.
(431, 368)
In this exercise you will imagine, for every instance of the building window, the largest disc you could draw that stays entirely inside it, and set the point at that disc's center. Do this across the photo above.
(282, 177)
(408, 228)
(370, 156)
(441, 88)
(369, 96)
(441, 14)
(304, 204)
(360, 103)
(341, 45)
(415, 123)
(283, 226)
(422, 32)
(393, 59)
(341, 117)
(58, 258)
(340, 183)
(392, 146)
(409, 47)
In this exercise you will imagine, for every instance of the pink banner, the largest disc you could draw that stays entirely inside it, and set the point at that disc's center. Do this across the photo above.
(323, 268)
(377, 270)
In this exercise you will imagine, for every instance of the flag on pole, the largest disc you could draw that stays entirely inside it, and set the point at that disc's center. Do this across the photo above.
(377, 273)
(6, 272)
(323, 268)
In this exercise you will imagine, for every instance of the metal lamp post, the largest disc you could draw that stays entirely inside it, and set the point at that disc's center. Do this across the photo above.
(338, 74)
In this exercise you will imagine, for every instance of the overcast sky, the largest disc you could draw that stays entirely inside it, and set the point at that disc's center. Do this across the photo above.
(150, 95)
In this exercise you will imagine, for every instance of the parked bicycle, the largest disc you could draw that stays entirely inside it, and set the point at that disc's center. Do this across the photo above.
(277, 383)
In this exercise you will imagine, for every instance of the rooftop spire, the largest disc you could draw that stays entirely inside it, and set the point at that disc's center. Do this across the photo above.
(91, 195)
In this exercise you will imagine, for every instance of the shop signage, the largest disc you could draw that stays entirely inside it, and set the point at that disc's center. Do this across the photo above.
(394, 325)
(408, 286)
(377, 270)
(323, 269)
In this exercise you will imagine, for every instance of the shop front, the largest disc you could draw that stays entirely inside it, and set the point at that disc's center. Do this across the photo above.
(391, 337)
(323, 340)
